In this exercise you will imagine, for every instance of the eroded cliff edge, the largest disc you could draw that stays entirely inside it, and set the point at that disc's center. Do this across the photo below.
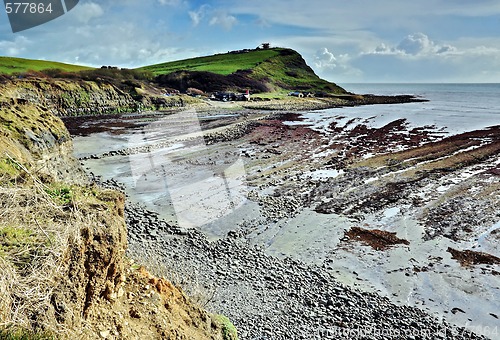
(63, 239)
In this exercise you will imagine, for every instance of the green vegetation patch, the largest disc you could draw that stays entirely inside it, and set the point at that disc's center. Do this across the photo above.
(13, 236)
(21, 245)
(9, 169)
(229, 332)
(12, 333)
(63, 195)
(223, 64)
(20, 122)
(10, 65)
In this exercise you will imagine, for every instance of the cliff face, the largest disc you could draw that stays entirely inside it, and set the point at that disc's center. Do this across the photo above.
(64, 97)
(32, 135)
(289, 71)
(63, 240)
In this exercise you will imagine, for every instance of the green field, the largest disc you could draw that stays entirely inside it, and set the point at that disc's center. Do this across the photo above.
(223, 64)
(9, 65)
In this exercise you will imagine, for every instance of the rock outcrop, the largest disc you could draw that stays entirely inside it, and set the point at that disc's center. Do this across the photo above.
(69, 97)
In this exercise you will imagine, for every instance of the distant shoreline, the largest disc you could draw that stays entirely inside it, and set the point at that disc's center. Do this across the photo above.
(301, 104)
(275, 104)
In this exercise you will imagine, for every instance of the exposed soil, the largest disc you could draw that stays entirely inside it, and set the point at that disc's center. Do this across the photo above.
(377, 239)
(470, 257)
(149, 307)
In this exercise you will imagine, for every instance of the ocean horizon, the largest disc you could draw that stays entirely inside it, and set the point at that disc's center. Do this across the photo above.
(450, 107)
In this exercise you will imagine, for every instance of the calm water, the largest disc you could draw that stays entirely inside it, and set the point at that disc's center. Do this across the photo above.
(454, 107)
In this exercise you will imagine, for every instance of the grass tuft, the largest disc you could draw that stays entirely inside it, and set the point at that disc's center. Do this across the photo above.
(229, 332)
(64, 195)
(11, 333)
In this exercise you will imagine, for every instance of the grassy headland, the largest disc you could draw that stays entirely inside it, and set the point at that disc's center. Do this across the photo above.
(270, 70)
(10, 65)
(276, 70)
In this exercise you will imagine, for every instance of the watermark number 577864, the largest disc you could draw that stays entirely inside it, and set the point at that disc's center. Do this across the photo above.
(27, 7)
(25, 15)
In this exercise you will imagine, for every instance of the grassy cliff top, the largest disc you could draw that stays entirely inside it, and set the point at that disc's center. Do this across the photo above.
(258, 70)
(223, 64)
(9, 65)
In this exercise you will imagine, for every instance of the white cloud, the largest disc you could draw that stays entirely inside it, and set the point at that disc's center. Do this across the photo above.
(383, 49)
(198, 15)
(262, 23)
(448, 49)
(334, 67)
(14, 47)
(223, 19)
(217, 17)
(170, 2)
(324, 59)
(415, 45)
(353, 15)
(111, 42)
(479, 46)
(195, 17)
(88, 11)
(419, 58)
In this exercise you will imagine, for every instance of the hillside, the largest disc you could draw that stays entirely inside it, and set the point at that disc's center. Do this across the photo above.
(271, 70)
(9, 65)
(223, 64)
(71, 90)
(260, 70)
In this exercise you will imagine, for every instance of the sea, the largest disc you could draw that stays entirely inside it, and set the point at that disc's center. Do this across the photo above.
(453, 107)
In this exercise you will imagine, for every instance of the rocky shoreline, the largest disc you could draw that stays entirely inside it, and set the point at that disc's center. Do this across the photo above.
(321, 103)
(271, 298)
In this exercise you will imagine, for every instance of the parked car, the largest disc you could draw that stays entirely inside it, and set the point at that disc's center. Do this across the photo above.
(296, 94)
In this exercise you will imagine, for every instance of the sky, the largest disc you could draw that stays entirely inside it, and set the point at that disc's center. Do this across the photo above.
(343, 41)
